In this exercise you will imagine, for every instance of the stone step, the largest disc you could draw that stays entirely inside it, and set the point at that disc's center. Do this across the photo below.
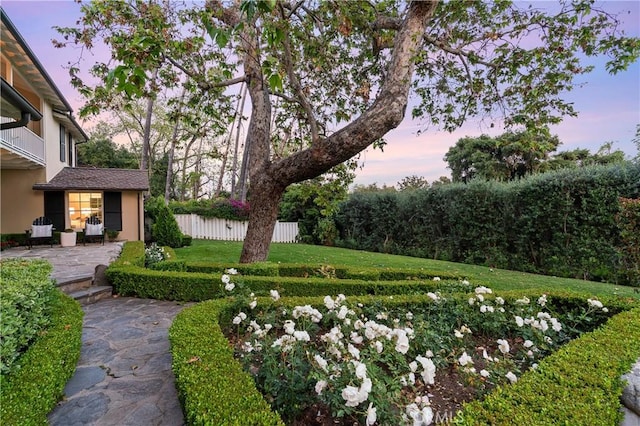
(70, 285)
(92, 294)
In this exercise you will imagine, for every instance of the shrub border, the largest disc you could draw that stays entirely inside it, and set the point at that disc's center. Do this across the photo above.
(214, 389)
(195, 282)
(30, 393)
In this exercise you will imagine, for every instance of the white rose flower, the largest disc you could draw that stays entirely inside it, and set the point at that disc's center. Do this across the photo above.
(361, 370)
(320, 385)
(465, 359)
(484, 373)
(379, 346)
(355, 352)
(512, 377)
(301, 335)
(274, 294)
(253, 304)
(503, 345)
(231, 271)
(519, 321)
(329, 303)
(229, 286)
(371, 415)
(322, 363)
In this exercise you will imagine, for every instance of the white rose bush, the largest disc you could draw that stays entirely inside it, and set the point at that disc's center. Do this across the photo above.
(379, 362)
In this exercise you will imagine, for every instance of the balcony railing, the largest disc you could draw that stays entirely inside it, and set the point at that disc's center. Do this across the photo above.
(24, 142)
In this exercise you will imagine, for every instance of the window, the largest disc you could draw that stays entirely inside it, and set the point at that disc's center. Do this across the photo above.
(82, 205)
(63, 149)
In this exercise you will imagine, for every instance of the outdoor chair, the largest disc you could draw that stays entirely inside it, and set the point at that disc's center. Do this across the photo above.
(93, 230)
(41, 232)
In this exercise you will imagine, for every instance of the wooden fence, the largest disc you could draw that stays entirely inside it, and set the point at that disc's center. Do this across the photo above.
(230, 230)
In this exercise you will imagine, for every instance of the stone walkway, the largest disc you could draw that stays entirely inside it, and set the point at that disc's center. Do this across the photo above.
(124, 374)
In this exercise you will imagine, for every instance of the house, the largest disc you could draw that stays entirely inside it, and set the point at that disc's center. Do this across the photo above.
(38, 138)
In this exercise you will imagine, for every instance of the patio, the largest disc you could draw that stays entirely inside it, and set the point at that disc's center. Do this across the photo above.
(69, 263)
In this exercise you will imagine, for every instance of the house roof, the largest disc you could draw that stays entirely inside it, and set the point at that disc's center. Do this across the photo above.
(88, 178)
(16, 49)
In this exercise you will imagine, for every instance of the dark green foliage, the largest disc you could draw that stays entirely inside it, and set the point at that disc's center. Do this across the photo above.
(101, 151)
(222, 208)
(166, 231)
(628, 221)
(186, 240)
(559, 223)
(313, 202)
(12, 240)
(31, 392)
(25, 301)
(158, 176)
(505, 157)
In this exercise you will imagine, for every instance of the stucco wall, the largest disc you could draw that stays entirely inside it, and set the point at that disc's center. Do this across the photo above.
(132, 217)
(51, 136)
(20, 203)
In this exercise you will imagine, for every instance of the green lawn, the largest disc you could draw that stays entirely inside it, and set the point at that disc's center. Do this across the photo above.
(499, 279)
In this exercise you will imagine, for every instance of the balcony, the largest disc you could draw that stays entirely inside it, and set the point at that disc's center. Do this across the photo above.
(21, 148)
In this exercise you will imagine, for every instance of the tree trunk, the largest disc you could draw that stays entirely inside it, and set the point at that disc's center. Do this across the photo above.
(145, 164)
(265, 203)
(269, 180)
(234, 168)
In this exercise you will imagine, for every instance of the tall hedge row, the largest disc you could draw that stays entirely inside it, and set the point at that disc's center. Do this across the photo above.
(561, 223)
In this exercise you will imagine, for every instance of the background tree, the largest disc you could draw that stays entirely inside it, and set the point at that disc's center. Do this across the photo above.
(101, 151)
(580, 157)
(413, 182)
(343, 71)
(505, 157)
(313, 203)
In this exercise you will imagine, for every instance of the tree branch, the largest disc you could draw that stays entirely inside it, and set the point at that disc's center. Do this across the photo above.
(386, 112)
(298, 89)
(454, 51)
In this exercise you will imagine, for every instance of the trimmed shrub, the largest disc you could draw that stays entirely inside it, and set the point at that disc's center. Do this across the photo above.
(213, 388)
(26, 295)
(166, 231)
(628, 221)
(186, 240)
(558, 223)
(30, 392)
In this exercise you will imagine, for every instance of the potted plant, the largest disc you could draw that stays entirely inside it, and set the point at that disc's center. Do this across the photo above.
(112, 234)
(68, 238)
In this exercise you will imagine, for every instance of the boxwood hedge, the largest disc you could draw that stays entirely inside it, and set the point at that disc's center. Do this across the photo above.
(579, 384)
(31, 391)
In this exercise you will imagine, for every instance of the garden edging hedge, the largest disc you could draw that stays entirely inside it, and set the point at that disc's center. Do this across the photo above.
(215, 390)
(29, 394)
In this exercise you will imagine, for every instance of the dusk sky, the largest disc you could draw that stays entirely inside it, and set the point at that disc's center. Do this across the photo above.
(608, 105)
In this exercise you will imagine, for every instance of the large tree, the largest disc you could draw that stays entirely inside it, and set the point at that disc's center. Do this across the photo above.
(505, 157)
(342, 72)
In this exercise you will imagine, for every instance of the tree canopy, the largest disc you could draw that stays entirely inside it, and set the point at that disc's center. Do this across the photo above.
(514, 155)
(330, 78)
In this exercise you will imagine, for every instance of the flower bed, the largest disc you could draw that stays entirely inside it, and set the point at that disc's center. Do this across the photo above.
(364, 366)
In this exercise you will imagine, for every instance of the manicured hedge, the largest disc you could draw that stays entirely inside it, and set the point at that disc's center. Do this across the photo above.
(214, 389)
(24, 302)
(578, 385)
(30, 392)
(560, 223)
(168, 280)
